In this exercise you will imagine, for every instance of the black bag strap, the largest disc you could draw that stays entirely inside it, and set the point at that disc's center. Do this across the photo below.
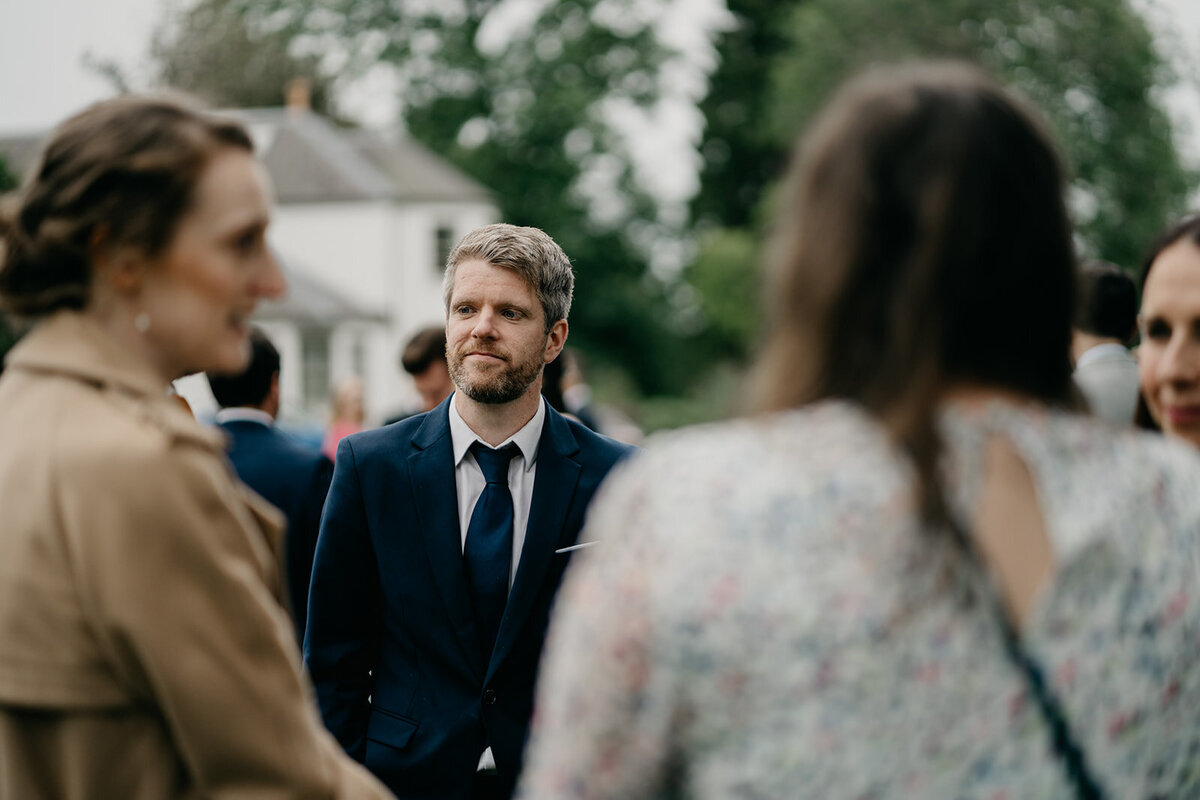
(1066, 745)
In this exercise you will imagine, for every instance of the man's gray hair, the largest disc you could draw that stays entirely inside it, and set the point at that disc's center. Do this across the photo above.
(530, 253)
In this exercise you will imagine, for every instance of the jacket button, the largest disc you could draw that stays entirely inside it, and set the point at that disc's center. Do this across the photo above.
(489, 697)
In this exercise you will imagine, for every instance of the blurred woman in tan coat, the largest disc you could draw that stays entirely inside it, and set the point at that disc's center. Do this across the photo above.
(144, 652)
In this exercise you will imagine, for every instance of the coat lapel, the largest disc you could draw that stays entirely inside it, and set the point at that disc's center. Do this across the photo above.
(553, 491)
(431, 471)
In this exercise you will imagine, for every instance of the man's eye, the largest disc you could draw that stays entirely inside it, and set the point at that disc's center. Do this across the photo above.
(510, 313)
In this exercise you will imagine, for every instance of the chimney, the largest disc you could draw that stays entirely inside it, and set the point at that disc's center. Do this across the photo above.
(298, 96)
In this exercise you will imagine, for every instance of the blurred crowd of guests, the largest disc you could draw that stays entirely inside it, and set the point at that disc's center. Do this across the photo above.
(937, 559)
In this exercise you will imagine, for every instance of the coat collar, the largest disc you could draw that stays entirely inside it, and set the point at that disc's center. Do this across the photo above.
(71, 344)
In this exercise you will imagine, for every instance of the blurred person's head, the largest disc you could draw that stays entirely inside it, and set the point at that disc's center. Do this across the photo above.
(347, 404)
(149, 215)
(573, 368)
(424, 358)
(1107, 309)
(257, 386)
(1169, 353)
(923, 246)
(508, 292)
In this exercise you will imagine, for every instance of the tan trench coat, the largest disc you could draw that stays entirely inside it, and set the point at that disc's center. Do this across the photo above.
(144, 651)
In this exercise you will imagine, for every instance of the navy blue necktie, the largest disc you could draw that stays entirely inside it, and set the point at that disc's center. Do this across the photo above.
(488, 551)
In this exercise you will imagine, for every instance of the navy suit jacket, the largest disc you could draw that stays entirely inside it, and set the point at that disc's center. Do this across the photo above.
(392, 646)
(294, 478)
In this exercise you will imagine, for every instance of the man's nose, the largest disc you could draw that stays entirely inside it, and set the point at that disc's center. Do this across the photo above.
(485, 324)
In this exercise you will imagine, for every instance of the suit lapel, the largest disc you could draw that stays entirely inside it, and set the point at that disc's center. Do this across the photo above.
(553, 491)
(437, 519)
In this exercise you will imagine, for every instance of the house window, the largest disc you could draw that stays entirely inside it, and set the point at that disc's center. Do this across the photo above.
(443, 240)
(314, 351)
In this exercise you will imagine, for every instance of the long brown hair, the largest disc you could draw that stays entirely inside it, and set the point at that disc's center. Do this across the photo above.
(923, 242)
(128, 165)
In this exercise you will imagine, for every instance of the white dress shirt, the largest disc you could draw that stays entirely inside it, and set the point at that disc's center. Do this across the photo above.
(469, 483)
(469, 480)
(1107, 374)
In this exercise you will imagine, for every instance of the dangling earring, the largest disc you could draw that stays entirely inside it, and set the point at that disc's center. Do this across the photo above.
(141, 323)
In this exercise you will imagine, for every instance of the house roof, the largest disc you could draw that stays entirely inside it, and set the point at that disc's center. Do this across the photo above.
(310, 300)
(310, 160)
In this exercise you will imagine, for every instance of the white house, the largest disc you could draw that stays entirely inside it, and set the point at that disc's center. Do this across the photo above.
(372, 217)
(363, 224)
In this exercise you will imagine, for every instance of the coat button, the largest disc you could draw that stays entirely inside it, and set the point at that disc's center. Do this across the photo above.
(489, 697)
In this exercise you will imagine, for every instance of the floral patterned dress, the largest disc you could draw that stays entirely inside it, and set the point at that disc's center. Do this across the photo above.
(764, 617)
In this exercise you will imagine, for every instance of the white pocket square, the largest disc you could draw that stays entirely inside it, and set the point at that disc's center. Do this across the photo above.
(579, 546)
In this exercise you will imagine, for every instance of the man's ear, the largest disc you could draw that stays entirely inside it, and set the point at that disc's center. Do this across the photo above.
(122, 267)
(556, 339)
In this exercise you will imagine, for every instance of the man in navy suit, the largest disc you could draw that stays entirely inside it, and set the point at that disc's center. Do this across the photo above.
(433, 581)
(293, 477)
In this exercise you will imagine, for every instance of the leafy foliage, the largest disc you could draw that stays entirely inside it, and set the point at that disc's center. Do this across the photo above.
(740, 155)
(213, 50)
(8, 180)
(1090, 65)
(725, 274)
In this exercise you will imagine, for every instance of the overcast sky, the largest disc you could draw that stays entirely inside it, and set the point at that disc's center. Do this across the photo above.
(43, 43)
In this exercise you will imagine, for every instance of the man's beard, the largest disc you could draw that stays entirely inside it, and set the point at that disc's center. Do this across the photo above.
(503, 387)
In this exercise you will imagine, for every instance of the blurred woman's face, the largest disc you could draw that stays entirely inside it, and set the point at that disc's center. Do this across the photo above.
(200, 291)
(1169, 356)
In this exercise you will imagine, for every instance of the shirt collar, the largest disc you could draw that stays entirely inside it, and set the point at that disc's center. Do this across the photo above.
(526, 439)
(243, 414)
(1100, 351)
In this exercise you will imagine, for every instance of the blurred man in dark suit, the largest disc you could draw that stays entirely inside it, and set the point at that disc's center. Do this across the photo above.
(293, 477)
(1106, 320)
(424, 359)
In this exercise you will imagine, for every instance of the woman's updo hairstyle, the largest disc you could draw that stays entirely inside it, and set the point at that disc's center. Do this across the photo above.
(125, 169)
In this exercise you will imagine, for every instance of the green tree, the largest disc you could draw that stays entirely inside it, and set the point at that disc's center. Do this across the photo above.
(725, 275)
(740, 157)
(1091, 66)
(8, 179)
(214, 50)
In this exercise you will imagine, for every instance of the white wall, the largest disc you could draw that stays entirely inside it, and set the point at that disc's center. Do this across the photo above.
(346, 245)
